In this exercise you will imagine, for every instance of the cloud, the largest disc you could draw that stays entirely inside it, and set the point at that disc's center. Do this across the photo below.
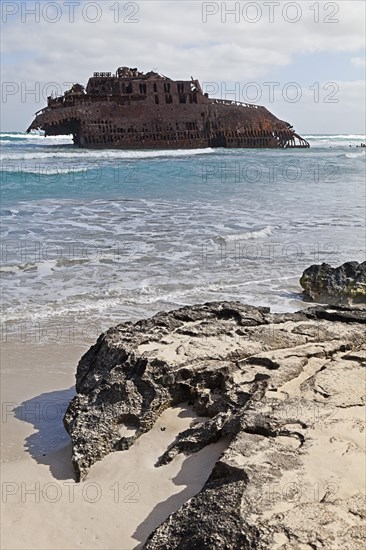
(172, 37)
(358, 61)
(163, 28)
(334, 108)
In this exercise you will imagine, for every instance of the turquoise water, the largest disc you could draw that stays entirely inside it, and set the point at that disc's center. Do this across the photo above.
(116, 235)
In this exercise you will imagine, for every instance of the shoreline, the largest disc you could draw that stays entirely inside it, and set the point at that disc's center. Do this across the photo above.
(124, 497)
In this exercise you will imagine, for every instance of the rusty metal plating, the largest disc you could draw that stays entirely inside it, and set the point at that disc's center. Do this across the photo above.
(133, 110)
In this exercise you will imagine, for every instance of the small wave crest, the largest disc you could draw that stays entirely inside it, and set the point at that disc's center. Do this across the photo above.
(361, 154)
(248, 235)
(105, 154)
(40, 170)
(339, 140)
(22, 136)
(336, 136)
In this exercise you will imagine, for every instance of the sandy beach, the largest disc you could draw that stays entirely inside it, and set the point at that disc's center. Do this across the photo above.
(123, 498)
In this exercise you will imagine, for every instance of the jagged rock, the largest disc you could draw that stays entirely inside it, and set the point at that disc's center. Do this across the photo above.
(286, 391)
(338, 285)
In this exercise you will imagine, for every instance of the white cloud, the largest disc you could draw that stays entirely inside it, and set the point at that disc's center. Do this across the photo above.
(171, 37)
(333, 108)
(163, 30)
(358, 61)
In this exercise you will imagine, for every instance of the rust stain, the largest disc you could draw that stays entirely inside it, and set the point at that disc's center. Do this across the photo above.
(133, 110)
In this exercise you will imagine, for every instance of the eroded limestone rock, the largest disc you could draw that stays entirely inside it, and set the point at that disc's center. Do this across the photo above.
(285, 390)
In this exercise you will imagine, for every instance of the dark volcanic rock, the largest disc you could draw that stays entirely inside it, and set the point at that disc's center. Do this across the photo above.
(343, 284)
(285, 390)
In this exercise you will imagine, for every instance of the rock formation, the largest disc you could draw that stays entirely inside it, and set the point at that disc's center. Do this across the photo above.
(344, 284)
(286, 391)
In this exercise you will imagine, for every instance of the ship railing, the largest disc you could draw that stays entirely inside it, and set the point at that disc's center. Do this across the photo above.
(230, 102)
(44, 110)
(102, 75)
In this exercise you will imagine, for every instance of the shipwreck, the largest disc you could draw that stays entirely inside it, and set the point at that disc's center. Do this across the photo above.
(134, 110)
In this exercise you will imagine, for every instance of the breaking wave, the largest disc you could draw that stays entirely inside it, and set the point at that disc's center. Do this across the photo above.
(31, 137)
(361, 154)
(46, 170)
(335, 136)
(248, 235)
(339, 140)
(106, 154)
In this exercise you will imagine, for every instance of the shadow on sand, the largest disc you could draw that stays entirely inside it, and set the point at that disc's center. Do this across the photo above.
(50, 445)
(194, 473)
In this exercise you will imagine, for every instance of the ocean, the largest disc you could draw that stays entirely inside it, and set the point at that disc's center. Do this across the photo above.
(110, 236)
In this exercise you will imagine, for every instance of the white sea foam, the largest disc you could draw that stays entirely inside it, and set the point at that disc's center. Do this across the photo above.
(248, 235)
(46, 170)
(361, 154)
(105, 154)
(336, 136)
(339, 140)
(36, 136)
(19, 136)
(145, 245)
(94, 304)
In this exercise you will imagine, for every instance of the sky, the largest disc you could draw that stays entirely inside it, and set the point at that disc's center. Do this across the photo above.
(304, 60)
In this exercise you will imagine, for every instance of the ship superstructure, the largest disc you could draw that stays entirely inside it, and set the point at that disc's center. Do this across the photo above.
(133, 110)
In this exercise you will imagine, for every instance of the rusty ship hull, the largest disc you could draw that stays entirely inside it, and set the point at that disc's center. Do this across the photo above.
(132, 110)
